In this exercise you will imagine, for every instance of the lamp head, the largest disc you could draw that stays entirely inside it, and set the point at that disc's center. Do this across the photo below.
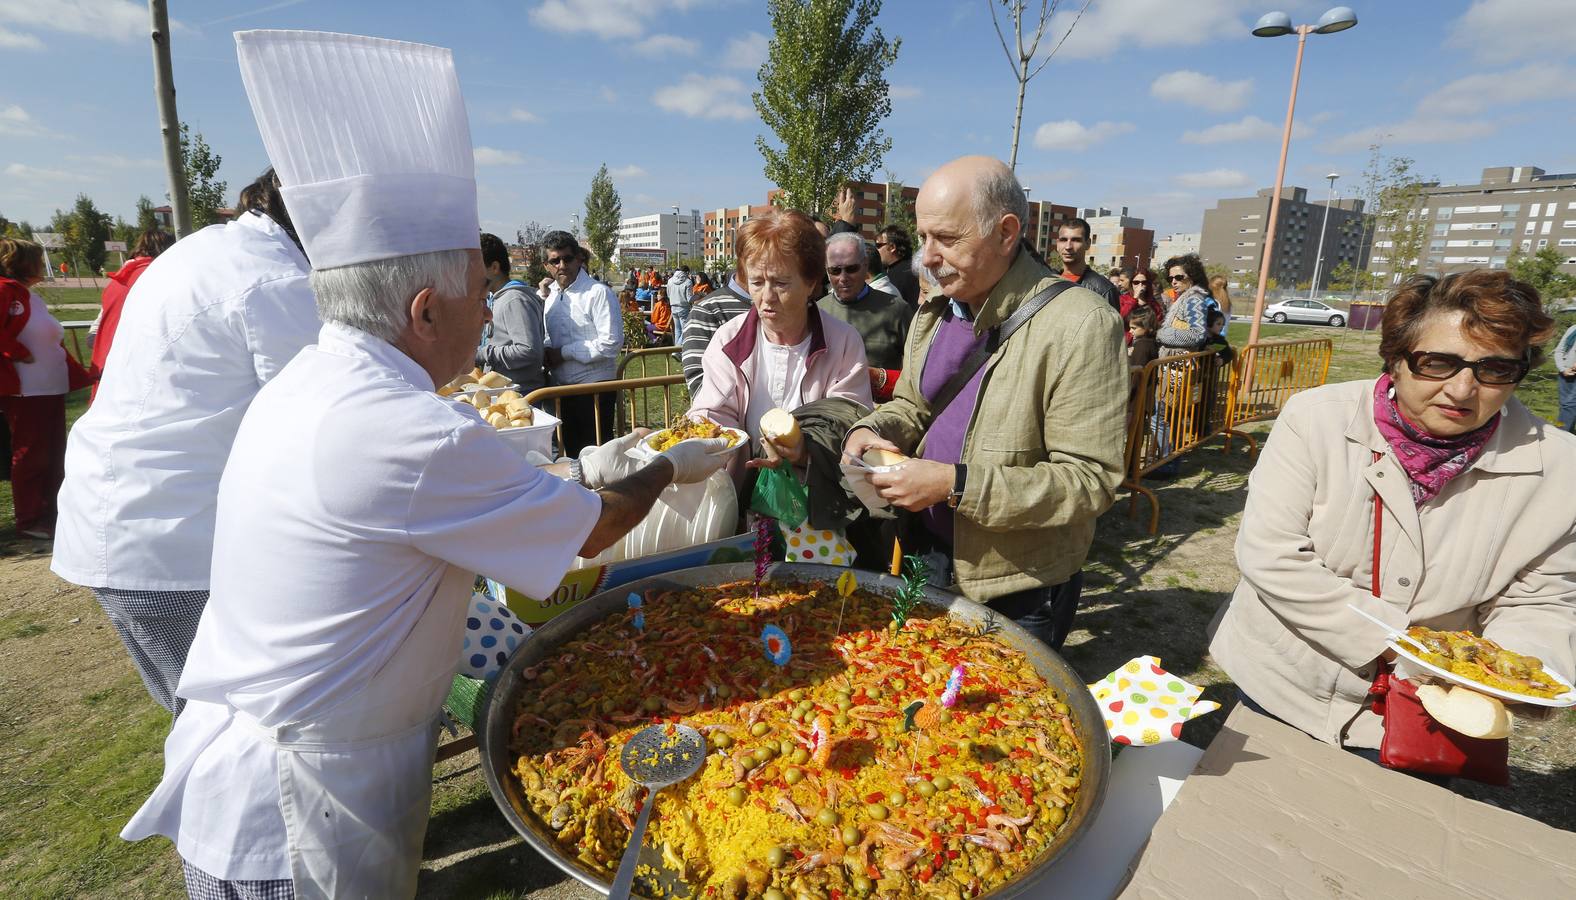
(1333, 175)
(1275, 24)
(1338, 19)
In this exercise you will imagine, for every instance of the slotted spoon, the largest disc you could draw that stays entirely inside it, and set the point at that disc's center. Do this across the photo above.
(657, 756)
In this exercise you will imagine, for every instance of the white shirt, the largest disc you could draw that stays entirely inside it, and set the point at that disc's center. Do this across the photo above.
(356, 509)
(212, 320)
(585, 324)
(46, 375)
(777, 374)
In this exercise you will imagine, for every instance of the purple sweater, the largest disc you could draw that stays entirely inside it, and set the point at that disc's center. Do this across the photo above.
(953, 343)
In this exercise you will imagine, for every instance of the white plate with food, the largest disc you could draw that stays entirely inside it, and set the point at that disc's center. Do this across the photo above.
(657, 441)
(1488, 659)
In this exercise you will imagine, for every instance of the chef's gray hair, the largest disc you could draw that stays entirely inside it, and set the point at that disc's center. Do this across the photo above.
(375, 296)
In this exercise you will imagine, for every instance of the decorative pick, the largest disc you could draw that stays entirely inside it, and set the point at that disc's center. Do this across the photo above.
(778, 648)
(916, 574)
(949, 697)
(846, 585)
(635, 603)
(909, 712)
(763, 550)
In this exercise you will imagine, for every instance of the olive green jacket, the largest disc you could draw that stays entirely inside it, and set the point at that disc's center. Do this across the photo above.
(1044, 447)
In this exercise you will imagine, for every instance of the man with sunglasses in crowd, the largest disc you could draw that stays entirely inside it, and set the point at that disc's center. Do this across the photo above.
(880, 318)
(585, 330)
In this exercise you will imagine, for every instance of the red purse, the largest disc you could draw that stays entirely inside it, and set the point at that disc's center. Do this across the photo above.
(1413, 741)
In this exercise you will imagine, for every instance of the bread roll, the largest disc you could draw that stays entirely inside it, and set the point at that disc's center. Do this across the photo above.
(480, 401)
(781, 428)
(476, 374)
(498, 420)
(1465, 710)
(519, 423)
(519, 409)
(876, 456)
(494, 380)
(471, 386)
(508, 395)
(446, 390)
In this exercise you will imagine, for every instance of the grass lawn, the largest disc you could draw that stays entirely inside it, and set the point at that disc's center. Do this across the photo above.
(55, 296)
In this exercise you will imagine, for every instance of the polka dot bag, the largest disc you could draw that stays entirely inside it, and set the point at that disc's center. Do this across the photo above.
(818, 545)
(491, 634)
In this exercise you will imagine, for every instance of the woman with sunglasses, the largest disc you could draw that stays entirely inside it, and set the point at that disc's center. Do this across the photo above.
(1140, 295)
(1434, 471)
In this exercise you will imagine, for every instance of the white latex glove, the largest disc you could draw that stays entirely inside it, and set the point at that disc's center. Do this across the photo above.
(603, 464)
(694, 460)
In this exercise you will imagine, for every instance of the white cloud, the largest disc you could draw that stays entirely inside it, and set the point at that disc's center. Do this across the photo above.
(1415, 130)
(1248, 128)
(1486, 91)
(521, 114)
(1214, 179)
(117, 20)
(629, 171)
(1069, 134)
(34, 173)
(489, 156)
(666, 45)
(1108, 29)
(608, 95)
(904, 92)
(1506, 31)
(607, 19)
(1203, 91)
(15, 121)
(702, 97)
(748, 52)
(15, 40)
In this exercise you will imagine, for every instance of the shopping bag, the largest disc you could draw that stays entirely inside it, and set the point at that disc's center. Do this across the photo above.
(780, 496)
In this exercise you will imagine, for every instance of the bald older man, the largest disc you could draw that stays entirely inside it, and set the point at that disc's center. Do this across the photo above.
(1010, 473)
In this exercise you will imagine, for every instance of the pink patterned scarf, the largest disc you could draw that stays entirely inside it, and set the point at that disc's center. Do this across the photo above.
(1430, 462)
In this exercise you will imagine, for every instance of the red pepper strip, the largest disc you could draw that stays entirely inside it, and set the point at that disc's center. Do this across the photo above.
(873, 872)
(952, 854)
(925, 874)
(874, 798)
(935, 842)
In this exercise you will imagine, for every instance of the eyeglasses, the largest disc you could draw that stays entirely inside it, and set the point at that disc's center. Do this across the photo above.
(1176, 278)
(835, 271)
(1141, 282)
(1497, 370)
(556, 261)
(883, 243)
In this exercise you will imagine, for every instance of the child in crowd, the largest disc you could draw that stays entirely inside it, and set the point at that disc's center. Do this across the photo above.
(661, 318)
(1143, 348)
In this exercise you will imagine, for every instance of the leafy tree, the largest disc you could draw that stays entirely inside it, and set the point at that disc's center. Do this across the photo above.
(1026, 46)
(204, 190)
(146, 220)
(1394, 194)
(529, 238)
(85, 230)
(603, 210)
(125, 232)
(1542, 271)
(1341, 277)
(12, 229)
(824, 95)
(899, 209)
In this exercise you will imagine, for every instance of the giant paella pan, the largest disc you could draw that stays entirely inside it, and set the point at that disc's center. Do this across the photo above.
(955, 756)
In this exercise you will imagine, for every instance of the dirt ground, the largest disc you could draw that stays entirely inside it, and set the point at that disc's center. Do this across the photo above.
(82, 740)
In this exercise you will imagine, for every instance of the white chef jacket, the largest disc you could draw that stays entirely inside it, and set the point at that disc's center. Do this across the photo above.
(586, 325)
(354, 514)
(208, 323)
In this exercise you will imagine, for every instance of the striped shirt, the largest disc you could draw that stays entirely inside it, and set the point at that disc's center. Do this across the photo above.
(705, 317)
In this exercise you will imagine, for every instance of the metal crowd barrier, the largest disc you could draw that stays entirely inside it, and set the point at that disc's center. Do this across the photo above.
(635, 404)
(77, 340)
(1180, 402)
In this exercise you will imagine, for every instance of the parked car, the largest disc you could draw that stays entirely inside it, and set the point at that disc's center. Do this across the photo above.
(1309, 311)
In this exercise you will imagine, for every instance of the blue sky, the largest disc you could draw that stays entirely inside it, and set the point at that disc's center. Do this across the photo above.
(1158, 105)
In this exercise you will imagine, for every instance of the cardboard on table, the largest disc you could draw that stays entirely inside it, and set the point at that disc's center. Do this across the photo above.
(1271, 812)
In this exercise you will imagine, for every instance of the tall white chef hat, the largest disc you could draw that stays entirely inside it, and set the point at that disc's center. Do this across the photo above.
(370, 140)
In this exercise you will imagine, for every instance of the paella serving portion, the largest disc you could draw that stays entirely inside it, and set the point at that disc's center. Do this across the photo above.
(846, 756)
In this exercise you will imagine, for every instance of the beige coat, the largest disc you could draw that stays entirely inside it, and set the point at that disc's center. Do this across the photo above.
(1044, 446)
(1495, 552)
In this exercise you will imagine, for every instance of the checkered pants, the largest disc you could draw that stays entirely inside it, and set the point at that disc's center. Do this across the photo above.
(202, 886)
(157, 628)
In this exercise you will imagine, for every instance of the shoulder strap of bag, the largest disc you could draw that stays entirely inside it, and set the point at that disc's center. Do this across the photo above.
(1378, 526)
(993, 341)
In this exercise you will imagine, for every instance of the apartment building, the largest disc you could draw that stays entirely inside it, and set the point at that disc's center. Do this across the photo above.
(677, 235)
(1045, 218)
(720, 226)
(1117, 239)
(1472, 226)
(1179, 243)
(1234, 232)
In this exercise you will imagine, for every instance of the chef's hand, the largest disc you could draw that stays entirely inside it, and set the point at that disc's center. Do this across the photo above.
(777, 454)
(604, 464)
(916, 484)
(861, 439)
(695, 460)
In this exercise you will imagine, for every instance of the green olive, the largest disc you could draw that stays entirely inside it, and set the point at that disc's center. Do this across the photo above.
(861, 642)
(828, 817)
(841, 720)
(925, 789)
(896, 798)
(850, 836)
(797, 715)
(941, 782)
(1055, 816)
(862, 884)
(722, 741)
(776, 857)
(793, 774)
(928, 678)
(796, 695)
(773, 894)
(875, 811)
(785, 747)
(736, 795)
(899, 685)
(966, 747)
(652, 704)
(845, 692)
(874, 693)
(800, 756)
(724, 691)
(845, 703)
(759, 728)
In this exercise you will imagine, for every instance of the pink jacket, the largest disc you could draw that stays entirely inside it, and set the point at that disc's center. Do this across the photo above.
(835, 367)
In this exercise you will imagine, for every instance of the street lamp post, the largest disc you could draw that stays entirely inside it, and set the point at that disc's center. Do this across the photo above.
(1318, 259)
(1276, 24)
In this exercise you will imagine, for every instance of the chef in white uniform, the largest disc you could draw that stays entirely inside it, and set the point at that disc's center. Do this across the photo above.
(208, 324)
(357, 505)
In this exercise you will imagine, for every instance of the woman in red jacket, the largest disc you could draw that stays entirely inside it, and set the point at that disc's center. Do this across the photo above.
(149, 245)
(36, 373)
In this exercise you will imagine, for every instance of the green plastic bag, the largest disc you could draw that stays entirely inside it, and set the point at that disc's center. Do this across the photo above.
(780, 496)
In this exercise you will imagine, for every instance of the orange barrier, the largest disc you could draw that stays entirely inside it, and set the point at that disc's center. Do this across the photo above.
(1179, 402)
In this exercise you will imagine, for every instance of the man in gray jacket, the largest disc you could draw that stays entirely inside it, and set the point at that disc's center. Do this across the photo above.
(680, 288)
(1565, 363)
(516, 338)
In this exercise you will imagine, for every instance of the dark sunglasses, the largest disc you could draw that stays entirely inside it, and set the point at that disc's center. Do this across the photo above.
(1144, 282)
(835, 271)
(1489, 370)
(1179, 278)
(556, 261)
